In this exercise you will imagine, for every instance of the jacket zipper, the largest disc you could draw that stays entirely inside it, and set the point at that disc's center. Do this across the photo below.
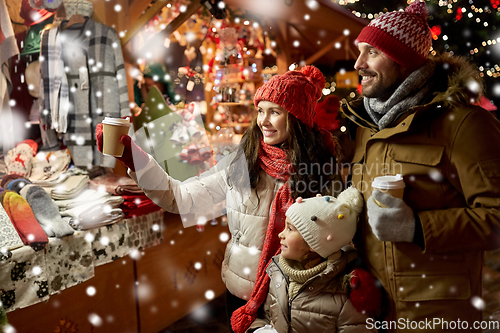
(289, 314)
(236, 242)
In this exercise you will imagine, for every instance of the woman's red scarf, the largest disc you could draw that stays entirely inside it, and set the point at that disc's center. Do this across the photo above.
(274, 161)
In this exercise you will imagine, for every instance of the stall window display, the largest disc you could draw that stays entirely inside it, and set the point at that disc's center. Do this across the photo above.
(235, 70)
(176, 139)
(232, 53)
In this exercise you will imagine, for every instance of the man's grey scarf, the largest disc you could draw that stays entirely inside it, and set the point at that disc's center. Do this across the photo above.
(407, 95)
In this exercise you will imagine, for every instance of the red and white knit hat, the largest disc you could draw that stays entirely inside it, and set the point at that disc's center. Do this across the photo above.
(404, 36)
(295, 91)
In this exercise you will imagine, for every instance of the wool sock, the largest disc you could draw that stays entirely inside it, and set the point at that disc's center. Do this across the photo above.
(2, 195)
(21, 216)
(9, 238)
(46, 211)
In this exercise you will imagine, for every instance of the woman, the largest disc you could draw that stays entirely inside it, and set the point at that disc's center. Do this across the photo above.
(281, 146)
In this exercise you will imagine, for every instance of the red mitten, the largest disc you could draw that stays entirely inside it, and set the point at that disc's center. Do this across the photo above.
(99, 136)
(365, 295)
(133, 156)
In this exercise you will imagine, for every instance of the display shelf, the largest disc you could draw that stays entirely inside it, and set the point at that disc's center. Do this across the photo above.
(223, 82)
(233, 103)
(235, 124)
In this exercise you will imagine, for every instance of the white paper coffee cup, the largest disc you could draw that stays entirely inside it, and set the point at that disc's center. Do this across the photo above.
(393, 185)
(113, 129)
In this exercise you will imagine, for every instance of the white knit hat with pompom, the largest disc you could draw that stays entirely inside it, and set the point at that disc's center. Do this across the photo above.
(327, 223)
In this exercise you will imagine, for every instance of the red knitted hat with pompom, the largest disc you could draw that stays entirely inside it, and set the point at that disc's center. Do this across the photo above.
(295, 91)
(404, 36)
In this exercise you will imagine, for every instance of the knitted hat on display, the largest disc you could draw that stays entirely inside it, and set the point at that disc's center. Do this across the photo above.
(37, 4)
(18, 160)
(80, 7)
(6, 179)
(17, 184)
(405, 37)
(295, 91)
(32, 15)
(47, 4)
(326, 223)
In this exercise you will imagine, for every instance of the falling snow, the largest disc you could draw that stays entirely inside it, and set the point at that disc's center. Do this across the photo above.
(209, 294)
(37, 270)
(91, 291)
(224, 237)
(478, 302)
(473, 86)
(95, 320)
(253, 250)
(436, 175)
(135, 254)
(104, 240)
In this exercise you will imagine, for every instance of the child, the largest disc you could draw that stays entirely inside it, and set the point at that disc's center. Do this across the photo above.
(307, 292)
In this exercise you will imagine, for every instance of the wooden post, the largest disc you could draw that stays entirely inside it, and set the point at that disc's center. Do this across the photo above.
(324, 50)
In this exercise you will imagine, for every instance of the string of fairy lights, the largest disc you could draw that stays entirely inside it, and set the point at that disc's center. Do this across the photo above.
(479, 15)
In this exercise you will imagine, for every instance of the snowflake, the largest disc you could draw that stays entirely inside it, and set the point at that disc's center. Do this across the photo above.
(91, 291)
(209, 294)
(224, 237)
(95, 320)
(104, 240)
(436, 175)
(37, 270)
(478, 302)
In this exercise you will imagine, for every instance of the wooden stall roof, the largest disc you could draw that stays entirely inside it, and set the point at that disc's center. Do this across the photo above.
(317, 35)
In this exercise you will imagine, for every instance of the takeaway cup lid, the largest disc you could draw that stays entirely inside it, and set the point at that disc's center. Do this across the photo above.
(116, 121)
(389, 182)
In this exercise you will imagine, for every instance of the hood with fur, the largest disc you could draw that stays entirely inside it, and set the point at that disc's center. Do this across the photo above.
(456, 82)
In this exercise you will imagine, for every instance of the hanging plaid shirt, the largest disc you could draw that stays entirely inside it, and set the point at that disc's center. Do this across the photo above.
(96, 80)
(8, 49)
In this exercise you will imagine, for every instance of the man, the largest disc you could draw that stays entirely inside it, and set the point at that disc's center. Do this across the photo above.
(418, 118)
